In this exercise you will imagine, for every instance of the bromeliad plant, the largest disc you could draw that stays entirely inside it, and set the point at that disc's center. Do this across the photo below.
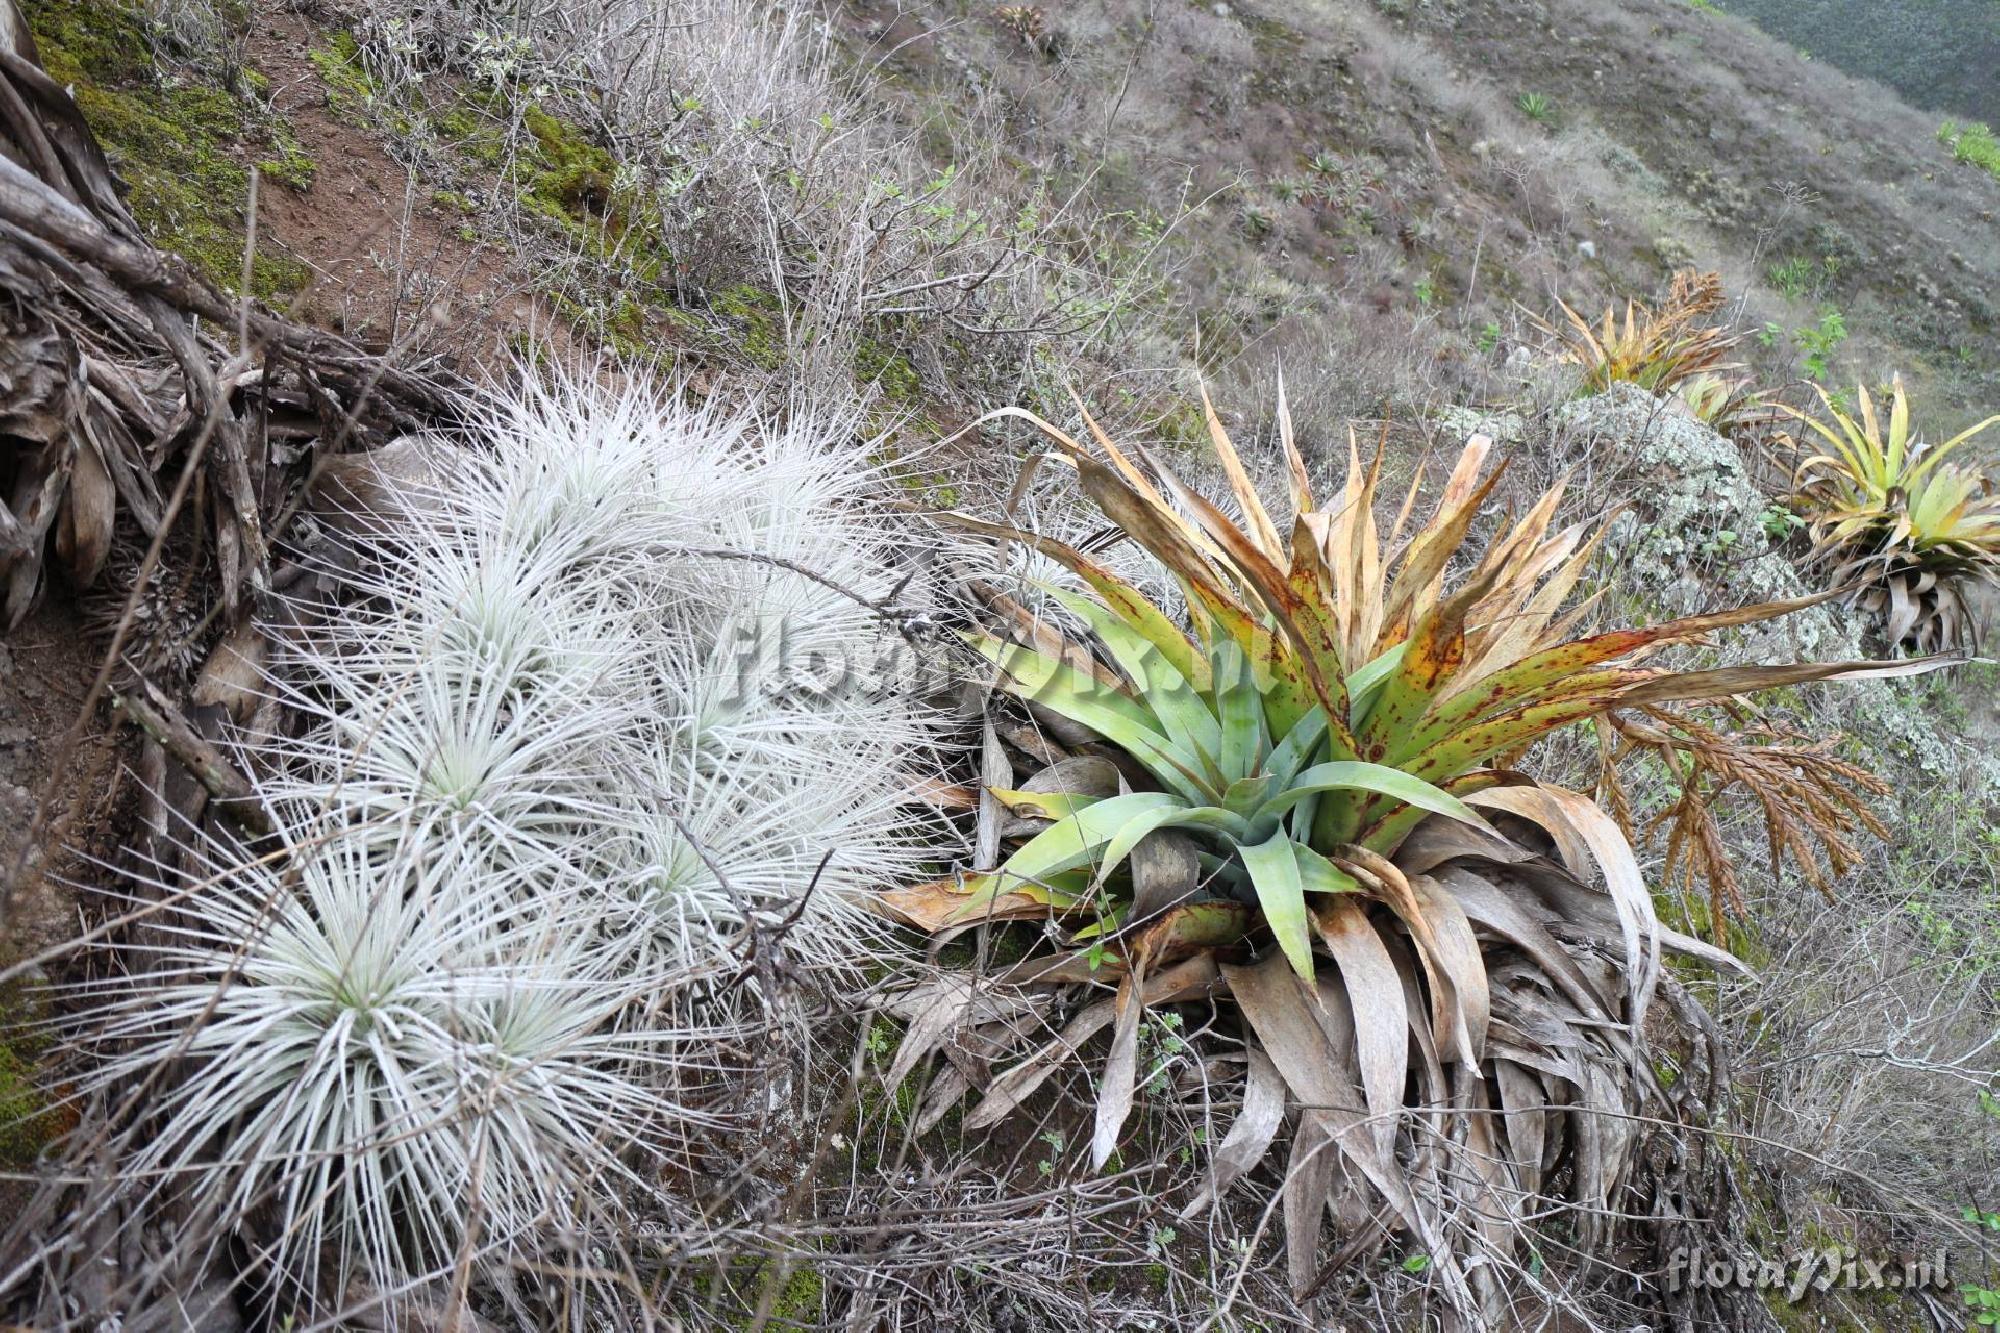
(1729, 407)
(1654, 349)
(1233, 757)
(1898, 518)
(1306, 800)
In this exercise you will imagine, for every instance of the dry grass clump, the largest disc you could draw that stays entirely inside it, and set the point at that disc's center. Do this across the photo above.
(1857, 1052)
(1866, 1051)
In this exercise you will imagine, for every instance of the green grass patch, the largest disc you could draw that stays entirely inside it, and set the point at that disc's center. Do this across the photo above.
(1972, 144)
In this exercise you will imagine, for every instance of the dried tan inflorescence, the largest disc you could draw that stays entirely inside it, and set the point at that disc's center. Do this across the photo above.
(1813, 801)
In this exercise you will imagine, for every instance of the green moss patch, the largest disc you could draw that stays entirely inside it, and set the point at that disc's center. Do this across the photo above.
(292, 167)
(559, 174)
(338, 60)
(570, 175)
(753, 316)
(472, 132)
(30, 1119)
(177, 146)
(877, 364)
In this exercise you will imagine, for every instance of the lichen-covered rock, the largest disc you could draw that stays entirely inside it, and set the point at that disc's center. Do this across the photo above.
(1506, 428)
(1696, 530)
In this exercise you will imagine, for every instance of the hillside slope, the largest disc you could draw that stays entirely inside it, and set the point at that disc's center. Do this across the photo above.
(1937, 54)
(924, 210)
(1397, 183)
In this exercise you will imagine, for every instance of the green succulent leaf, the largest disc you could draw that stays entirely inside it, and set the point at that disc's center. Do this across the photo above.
(1140, 826)
(1247, 795)
(1378, 779)
(1043, 804)
(1365, 686)
(1274, 873)
(1116, 716)
(1239, 706)
(1298, 747)
(1182, 713)
(1319, 875)
(1073, 842)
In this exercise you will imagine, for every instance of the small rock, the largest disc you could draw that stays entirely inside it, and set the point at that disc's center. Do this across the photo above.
(1506, 428)
(1587, 249)
(402, 480)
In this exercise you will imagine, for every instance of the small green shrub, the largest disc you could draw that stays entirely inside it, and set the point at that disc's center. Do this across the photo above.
(1819, 341)
(1536, 107)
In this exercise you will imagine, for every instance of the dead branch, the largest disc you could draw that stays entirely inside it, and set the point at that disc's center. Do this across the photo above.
(155, 714)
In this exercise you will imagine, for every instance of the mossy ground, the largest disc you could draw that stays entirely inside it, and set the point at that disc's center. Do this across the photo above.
(30, 1119)
(338, 60)
(890, 371)
(179, 146)
(799, 1303)
(614, 275)
(557, 172)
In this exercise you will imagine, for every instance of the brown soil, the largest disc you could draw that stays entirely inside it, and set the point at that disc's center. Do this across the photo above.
(46, 667)
(390, 266)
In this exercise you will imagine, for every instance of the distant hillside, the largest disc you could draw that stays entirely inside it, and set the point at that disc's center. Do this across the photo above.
(1942, 55)
(1385, 186)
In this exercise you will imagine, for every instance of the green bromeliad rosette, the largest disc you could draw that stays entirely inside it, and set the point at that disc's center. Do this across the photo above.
(1891, 513)
(1302, 800)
